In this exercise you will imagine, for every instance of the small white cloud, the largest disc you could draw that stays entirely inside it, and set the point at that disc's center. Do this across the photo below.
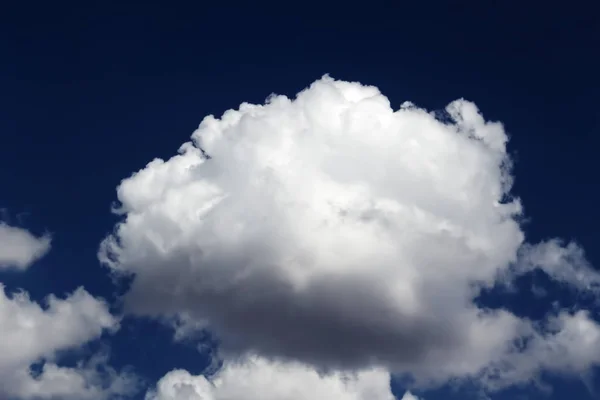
(90, 380)
(19, 248)
(410, 396)
(30, 334)
(255, 378)
(334, 230)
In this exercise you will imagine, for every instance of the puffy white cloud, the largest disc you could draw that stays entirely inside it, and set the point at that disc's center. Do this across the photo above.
(30, 333)
(256, 378)
(93, 380)
(19, 248)
(333, 230)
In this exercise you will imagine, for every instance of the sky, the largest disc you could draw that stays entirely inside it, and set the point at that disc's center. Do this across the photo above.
(294, 201)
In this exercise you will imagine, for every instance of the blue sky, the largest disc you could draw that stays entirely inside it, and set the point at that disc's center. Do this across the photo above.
(93, 92)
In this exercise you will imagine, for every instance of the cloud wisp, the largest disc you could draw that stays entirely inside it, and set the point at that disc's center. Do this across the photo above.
(19, 248)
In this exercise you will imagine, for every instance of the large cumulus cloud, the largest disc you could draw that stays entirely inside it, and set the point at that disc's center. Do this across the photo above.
(336, 231)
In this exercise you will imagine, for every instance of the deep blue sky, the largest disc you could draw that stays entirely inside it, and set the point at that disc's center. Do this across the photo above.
(92, 91)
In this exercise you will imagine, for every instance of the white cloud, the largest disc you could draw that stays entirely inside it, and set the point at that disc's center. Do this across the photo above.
(410, 396)
(19, 248)
(564, 263)
(568, 344)
(333, 230)
(30, 333)
(256, 378)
